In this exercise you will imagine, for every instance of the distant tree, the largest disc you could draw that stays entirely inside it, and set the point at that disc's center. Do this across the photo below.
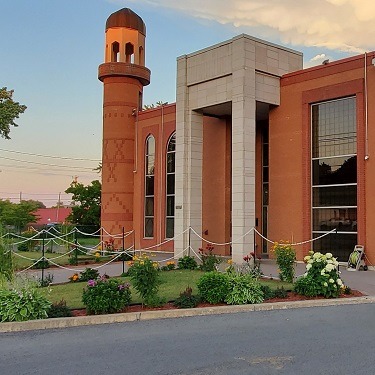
(159, 103)
(38, 204)
(18, 214)
(99, 168)
(86, 210)
(9, 111)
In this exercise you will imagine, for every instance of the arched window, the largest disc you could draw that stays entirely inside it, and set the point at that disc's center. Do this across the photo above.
(115, 54)
(141, 56)
(170, 186)
(149, 187)
(129, 53)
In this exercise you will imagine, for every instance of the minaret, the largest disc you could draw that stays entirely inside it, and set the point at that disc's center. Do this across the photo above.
(123, 75)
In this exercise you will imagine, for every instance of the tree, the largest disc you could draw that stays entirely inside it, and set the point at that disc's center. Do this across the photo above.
(18, 215)
(86, 210)
(9, 111)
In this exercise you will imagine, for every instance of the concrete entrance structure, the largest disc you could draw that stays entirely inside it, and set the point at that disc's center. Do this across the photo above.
(227, 79)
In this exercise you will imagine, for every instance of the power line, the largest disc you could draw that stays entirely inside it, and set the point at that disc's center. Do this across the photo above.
(36, 170)
(50, 165)
(49, 156)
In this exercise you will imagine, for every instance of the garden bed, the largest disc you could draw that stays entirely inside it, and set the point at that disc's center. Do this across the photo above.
(291, 297)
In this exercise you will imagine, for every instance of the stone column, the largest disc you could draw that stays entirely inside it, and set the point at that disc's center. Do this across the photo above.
(243, 149)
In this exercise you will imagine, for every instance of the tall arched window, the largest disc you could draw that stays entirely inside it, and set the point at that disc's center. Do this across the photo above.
(170, 186)
(129, 53)
(149, 186)
(115, 53)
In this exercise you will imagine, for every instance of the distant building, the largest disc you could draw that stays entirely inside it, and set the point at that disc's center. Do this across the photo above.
(253, 140)
(51, 216)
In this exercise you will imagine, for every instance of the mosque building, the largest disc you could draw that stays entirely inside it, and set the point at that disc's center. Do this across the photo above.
(254, 148)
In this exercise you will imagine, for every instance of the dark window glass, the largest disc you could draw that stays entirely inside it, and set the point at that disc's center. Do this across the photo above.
(149, 227)
(265, 155)
(171, 162)
(335, 196)
(340, 244)
(149, 185)
(265, 194)
(341, 170)
(169, 232)
(170, 205)
(343, 219)
(265, 174)
(170, 184)
(265, 229)
(149, 206)
(172, 144)
(334, 128)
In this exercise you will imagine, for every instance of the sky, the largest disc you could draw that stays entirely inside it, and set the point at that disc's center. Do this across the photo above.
(50, 51)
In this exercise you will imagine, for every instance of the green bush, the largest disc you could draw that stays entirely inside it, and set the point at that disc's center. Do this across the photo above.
(186, 299)
(6, 261)
(41, 264)
(22, 302)
(243, 289)
(321, 278)
(187, 262)
(280, 293)
(209, 260)
(23, 247)
(307, 286)
(89, 274)
(144, 274)
(267, 292)
(105, 296)
(59, 310)
(285, 258)
(213, 287)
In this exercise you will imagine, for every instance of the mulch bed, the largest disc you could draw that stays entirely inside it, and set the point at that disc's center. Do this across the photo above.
(169, 306)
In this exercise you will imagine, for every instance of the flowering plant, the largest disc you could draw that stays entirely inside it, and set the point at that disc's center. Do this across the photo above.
(321, 276)
(103, 296)
(285, 258)
(74, 277)
(209, 260)
(144, 274)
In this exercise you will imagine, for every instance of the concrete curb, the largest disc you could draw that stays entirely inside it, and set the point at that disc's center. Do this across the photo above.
(177, 313)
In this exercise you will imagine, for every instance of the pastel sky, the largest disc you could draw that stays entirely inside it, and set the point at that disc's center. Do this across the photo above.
(51, 49)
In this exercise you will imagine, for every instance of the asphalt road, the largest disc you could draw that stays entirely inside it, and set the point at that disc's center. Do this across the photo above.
(328, 340)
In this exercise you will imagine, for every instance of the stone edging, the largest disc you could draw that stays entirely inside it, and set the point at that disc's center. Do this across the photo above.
(55, 323)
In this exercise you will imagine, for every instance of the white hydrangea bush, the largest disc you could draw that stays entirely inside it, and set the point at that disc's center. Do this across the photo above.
(321, 278)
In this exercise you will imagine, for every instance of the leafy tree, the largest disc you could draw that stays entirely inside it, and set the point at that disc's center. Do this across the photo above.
(159, 103)
(18, 214)
(9, 111)
(86, 210)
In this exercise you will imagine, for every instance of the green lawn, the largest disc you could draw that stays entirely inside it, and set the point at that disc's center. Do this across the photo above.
(172, 284)
(22, 263)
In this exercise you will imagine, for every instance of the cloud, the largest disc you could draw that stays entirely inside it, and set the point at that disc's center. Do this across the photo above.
(341, 25)
(317, 60)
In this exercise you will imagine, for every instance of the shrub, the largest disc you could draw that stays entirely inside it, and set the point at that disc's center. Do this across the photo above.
(187, 262)
(23, 247)
(41, 264)
(280, 293)
(186, 299)
(243, 289)
(6, 261)
(47, 280)
(59, 310)
(22, 302)
(209, 260)
(144, 274)
(213, 287)
(106, 296)
(267, 292)
(169, 266)
(321, 277)
(89, 274)
(285, 258)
